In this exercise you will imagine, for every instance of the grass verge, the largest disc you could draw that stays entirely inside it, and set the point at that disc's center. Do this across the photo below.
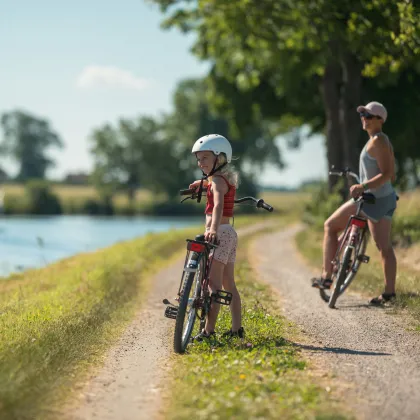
(57, 320)
(370, 278)
(262, 377)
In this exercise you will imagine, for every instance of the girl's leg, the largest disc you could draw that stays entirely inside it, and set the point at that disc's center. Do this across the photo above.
(215, 283)
(230, 286)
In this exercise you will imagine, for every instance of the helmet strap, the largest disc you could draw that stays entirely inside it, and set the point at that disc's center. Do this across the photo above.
(206, 176)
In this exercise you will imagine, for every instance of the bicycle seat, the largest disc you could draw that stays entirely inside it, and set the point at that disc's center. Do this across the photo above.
(368, 198)
(200, 238)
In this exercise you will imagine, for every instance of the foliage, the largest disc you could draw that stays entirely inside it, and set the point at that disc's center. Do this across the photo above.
(323, 204)
(311, 61)
(26, 140)
(156, 153)
(40, 199)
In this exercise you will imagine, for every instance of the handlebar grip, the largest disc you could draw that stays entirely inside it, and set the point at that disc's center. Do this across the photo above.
(187, 192)
(267, 207)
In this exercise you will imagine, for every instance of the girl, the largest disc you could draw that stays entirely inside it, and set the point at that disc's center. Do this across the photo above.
(214, 153)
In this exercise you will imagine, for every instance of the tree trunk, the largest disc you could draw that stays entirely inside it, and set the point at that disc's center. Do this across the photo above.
(349, 119)
(330, 89)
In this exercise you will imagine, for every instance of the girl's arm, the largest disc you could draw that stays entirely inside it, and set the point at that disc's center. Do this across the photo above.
(219, 189)
(196, 184)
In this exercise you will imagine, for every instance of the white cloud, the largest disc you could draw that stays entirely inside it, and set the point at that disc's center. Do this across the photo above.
(110, 76)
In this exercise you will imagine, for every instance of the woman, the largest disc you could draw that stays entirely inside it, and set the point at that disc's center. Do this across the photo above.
(376, 171)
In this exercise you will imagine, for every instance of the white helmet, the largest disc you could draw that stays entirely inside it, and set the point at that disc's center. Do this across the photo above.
(214, 143)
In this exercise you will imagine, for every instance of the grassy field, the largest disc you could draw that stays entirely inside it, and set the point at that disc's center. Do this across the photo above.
(56, 321)
(369, 280)
(79, 192)
(262, 377)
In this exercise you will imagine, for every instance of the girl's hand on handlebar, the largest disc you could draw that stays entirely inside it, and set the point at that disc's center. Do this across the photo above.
(196, 184)
(210, 236)
(356, 190)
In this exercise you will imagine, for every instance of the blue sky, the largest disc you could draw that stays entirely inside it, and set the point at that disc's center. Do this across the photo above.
(81, 64)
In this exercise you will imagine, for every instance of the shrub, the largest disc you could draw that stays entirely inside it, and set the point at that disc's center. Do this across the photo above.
(40, 198)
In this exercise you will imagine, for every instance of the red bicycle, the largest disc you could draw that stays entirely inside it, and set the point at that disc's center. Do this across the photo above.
(351, 247)
(194, 298)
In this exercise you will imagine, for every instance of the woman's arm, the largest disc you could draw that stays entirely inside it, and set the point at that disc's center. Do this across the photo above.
(219, 189)
(382, 152)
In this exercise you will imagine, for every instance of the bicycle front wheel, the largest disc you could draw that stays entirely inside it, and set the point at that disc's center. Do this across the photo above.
(187, 309)
(351, 274)
(341, 276)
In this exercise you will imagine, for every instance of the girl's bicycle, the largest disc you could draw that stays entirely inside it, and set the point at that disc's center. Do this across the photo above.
(351, 247)
(194, 298)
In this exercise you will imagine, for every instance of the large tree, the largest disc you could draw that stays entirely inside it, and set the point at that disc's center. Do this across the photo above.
(308, 58)
(27, 140)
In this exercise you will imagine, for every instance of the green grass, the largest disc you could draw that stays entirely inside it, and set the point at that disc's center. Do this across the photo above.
(263, 377)
(369, 280)
(56, 321)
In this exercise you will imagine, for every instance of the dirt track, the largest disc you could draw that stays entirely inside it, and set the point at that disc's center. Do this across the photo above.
(369, 350)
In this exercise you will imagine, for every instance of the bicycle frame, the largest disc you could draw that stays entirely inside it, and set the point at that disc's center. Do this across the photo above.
(351, 247)
(196, 251)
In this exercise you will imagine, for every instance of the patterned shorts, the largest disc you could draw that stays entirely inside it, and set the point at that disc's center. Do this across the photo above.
(228, 241)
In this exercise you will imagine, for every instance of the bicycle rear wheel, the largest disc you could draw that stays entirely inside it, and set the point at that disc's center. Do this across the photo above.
(187, 309)
(351, 274)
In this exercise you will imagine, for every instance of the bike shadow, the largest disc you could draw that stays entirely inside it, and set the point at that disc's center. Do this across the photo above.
(339, 350)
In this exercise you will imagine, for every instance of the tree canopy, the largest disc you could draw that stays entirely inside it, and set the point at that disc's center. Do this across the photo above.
(27, 140)
(306, 61)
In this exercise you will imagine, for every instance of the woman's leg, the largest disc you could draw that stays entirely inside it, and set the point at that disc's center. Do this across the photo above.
(215, 283)
(332, 227)
(381, 233)
(230, 286)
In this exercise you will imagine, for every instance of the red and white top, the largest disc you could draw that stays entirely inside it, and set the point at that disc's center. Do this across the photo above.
(228, 202)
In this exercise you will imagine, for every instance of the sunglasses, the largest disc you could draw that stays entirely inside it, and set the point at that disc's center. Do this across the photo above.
(367, 116)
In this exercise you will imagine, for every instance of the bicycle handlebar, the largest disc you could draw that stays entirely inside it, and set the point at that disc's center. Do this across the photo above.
(190, 192)
(260, 203)
(344, 172)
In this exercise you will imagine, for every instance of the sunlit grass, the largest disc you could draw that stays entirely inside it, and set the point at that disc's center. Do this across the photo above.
(55, 320)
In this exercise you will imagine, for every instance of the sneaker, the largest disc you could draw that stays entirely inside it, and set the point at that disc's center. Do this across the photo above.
(382, 299)
(321, 283)
(240, 333)
(202, 335)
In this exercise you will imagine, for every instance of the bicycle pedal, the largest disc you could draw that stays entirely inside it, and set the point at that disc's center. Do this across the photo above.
(222, 297)
(171, 312)
(363, 258)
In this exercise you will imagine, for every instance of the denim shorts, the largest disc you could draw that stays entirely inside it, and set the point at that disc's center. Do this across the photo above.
(384, 207)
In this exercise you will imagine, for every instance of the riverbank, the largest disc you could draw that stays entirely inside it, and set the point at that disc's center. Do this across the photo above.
(58, 320)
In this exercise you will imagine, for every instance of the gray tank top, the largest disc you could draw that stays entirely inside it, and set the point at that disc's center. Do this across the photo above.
(368, 168)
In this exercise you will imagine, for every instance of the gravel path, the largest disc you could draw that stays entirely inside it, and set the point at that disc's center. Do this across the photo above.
(131, 384)
(368, 350)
